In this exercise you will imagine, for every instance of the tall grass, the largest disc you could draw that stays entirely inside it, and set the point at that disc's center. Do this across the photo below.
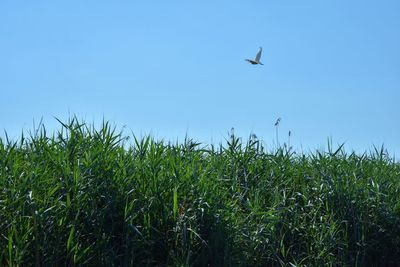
(87, 196)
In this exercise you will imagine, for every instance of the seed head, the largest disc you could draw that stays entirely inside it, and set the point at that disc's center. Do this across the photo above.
(278, 121)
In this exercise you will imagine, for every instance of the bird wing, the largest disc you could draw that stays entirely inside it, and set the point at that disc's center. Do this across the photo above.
(258, 56)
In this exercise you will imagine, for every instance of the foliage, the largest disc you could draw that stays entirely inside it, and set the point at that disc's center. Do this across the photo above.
(87, 196)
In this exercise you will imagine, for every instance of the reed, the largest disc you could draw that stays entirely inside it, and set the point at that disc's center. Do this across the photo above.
(89, 196)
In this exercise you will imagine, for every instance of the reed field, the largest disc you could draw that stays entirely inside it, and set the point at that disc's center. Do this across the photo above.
(93, 196)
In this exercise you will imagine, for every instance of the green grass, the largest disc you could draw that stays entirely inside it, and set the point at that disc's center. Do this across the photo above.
(87, 196)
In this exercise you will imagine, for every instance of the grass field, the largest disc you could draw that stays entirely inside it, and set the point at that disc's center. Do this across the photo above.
(89, 196)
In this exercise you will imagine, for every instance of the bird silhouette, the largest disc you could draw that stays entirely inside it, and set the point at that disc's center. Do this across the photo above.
(256, 61)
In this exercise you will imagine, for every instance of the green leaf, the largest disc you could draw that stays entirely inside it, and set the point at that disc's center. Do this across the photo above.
(175, 202)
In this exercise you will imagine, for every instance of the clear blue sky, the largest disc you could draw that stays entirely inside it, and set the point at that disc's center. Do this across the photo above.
(331, 68)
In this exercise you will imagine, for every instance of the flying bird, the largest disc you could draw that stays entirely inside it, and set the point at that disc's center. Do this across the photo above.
(256, 61)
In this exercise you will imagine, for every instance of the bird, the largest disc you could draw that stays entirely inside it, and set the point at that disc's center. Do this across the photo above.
(256, 61)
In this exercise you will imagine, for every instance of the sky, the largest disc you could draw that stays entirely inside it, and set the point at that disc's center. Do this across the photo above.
(175, 68)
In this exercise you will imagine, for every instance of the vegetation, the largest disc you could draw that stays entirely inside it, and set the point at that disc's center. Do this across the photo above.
(87, 196)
